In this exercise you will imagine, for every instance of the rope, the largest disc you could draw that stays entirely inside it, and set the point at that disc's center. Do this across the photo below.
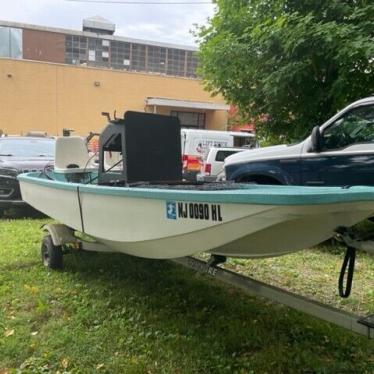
(348, 268)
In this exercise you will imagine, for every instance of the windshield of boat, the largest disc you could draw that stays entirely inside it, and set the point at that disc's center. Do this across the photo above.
(27, 147)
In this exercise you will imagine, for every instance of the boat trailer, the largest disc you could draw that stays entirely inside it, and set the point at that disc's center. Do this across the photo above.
(61, 239)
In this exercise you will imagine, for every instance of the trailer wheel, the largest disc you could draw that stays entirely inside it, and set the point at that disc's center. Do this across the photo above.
(51, 254)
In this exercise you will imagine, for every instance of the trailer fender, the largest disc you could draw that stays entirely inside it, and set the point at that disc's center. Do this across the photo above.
(60, 234)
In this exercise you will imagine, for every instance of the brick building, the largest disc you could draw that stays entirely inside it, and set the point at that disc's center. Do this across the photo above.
(55, 78)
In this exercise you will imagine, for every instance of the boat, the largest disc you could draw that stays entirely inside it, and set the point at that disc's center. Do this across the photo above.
(136, 207)
(234, 220)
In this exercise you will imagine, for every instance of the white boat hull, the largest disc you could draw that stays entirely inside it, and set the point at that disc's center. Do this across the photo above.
(145, 227)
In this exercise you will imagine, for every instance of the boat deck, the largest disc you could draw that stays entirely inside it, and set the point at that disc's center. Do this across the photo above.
(189, 186)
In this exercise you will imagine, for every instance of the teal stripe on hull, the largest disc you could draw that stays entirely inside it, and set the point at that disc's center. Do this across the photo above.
(245, 194)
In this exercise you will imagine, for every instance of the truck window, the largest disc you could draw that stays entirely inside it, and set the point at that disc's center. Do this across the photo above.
(356, 126)
(240, 141)
(221, 155)
(244, 141)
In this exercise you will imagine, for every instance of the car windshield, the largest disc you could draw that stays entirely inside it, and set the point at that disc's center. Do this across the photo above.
(27, 147)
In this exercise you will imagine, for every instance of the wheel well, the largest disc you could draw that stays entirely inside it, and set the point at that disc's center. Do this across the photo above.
(259, 179)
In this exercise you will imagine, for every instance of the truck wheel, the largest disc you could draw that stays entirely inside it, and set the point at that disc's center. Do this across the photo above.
(51, 254)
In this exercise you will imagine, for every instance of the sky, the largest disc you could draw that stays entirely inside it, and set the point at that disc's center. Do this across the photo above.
(163, 23)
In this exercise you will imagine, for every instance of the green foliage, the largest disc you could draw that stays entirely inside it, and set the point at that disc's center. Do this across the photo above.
(298, 61)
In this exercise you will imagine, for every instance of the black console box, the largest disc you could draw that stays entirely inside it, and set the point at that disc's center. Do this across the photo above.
(149, 146)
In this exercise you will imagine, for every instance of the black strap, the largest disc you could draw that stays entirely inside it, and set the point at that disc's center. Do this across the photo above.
(349, 261)
(80, 208)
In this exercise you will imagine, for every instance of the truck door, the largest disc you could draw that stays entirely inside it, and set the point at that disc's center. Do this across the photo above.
(347, 152)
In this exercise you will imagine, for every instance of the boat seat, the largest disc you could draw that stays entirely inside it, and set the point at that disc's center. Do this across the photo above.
(71, 155)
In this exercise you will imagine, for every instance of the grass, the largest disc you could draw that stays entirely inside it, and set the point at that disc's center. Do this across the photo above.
(314, 273)
(119, 314)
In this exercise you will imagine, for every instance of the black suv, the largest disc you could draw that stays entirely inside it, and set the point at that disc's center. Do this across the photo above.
(20, 155)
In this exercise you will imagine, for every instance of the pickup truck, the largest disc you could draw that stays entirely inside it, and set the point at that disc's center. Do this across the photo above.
(212, 166)
(195, 144)
(338, 153)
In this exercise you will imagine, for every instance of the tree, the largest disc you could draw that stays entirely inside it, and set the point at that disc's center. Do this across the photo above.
(297, 61)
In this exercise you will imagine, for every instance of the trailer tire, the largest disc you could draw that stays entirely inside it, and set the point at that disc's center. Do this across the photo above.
(51, 254)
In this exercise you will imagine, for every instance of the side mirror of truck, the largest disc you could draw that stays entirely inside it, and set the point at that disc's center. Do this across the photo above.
(316, 140)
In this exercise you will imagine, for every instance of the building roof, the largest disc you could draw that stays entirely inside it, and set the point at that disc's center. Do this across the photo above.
(95, 35)
(98, 23)
(98, 19)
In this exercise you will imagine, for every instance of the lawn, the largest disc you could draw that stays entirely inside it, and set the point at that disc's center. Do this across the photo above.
(119, 314)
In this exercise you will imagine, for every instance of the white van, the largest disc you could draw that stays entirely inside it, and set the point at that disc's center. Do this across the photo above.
(196, 144)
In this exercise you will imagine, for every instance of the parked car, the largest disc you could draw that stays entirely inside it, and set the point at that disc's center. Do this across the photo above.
(212, 165)
(196, 143)
(338, 153)
(20, 155)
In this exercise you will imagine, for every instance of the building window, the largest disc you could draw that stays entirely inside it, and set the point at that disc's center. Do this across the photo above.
(176, 60)
(120, 55)
(138, 57)
(10, 42)
(91, 55)
(190, 119)
(126, 56)
(156, 59)
(75, 49)
(191, 64)
(98, 52)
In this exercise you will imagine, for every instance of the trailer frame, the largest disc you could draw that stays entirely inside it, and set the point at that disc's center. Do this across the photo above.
(65, 239)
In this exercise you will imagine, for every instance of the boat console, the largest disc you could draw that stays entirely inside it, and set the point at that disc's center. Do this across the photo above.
(141, 147)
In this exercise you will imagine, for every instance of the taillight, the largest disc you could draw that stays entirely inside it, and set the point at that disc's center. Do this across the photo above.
(208, 169)
(184, 161)
(190, 163)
